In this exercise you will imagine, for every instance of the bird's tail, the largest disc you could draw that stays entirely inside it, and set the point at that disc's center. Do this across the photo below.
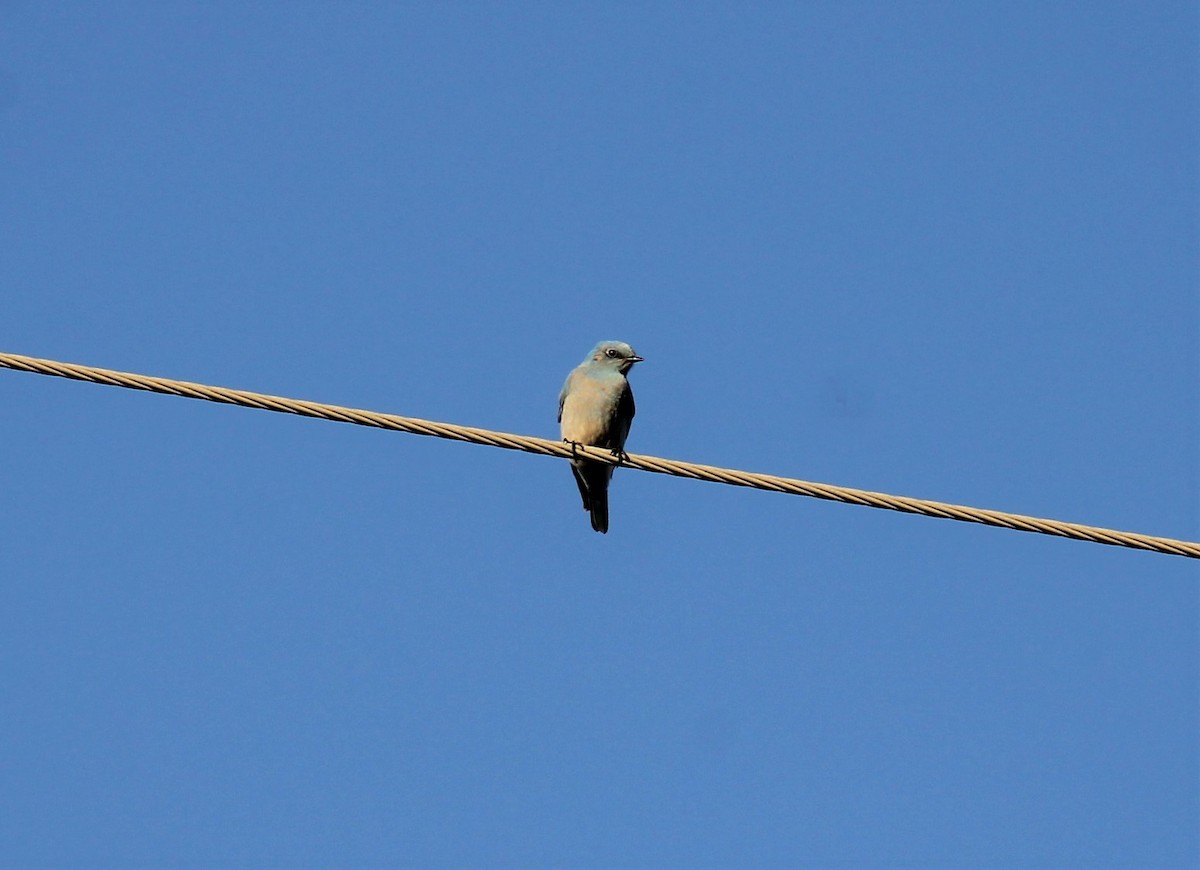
(599, 509)
(593, 478)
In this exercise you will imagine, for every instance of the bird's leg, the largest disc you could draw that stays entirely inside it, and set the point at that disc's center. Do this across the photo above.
(574, 446)
(622, 456)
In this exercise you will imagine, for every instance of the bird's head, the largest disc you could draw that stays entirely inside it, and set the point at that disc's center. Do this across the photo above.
(615, 355)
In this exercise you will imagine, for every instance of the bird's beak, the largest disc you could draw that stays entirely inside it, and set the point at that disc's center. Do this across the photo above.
(634, 359)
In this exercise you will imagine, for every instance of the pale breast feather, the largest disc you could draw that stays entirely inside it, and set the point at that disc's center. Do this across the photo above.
(589, 412)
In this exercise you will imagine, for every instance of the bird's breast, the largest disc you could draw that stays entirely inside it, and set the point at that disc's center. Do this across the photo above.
(588, 412)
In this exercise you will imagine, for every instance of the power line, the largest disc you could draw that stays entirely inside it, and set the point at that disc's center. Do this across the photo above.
(562, 450)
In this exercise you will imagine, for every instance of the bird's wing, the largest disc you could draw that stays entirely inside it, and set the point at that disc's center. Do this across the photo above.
(562, 396)
(625, 405)
(625, 411)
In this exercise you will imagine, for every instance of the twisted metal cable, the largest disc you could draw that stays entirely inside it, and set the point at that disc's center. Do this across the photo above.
(560, 449)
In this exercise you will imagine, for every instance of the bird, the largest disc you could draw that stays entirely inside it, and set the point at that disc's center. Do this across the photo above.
(596, 408)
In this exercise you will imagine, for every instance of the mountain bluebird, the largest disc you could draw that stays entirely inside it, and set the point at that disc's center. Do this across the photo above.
(596, 408)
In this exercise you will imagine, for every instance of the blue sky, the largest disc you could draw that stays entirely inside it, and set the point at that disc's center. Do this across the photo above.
(946, 250)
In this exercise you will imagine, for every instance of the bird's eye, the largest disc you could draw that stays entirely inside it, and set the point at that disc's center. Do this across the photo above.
(610, 353)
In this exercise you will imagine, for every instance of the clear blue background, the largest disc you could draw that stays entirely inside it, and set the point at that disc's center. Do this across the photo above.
(946, 250)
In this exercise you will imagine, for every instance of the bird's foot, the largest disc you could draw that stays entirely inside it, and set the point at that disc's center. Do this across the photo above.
(574, 446)
(622, 456)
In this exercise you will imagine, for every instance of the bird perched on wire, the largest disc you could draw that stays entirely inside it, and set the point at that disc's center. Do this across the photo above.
(596, 408)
